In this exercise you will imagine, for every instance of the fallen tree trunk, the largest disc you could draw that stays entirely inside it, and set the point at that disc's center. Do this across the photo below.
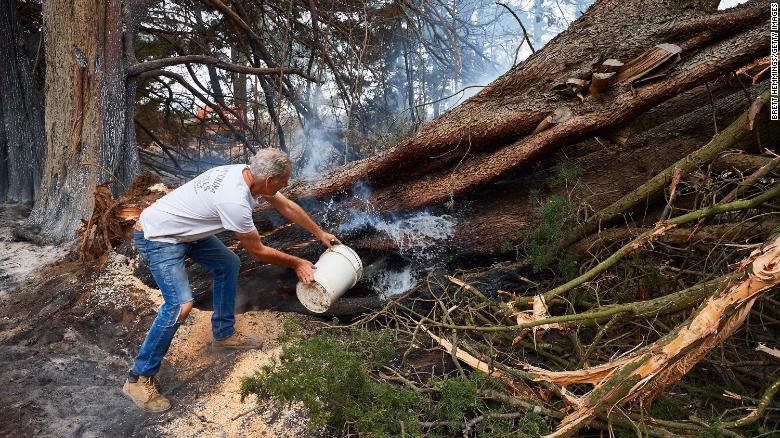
(475, 161)
(486, 138)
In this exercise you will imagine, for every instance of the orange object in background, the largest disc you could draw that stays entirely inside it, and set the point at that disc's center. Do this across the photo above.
(206, 116)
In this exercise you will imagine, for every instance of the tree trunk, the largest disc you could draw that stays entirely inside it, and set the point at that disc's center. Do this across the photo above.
(21, 118)
(239, 84)
(88, 117)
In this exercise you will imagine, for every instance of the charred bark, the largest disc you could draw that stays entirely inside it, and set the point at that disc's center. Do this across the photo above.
(21, 118)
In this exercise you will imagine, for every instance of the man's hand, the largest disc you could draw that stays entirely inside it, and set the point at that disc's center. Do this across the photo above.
(328, 239)
(305, 271)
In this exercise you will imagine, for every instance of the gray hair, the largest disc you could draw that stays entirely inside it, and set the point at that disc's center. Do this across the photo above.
(269, 162)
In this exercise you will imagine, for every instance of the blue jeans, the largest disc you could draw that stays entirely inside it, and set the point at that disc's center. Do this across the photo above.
(166, 262)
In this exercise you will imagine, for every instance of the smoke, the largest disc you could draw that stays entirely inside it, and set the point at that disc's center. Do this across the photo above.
(420, 237)
(497, 32)
(413, 233)
(389, 283)
(318, 153)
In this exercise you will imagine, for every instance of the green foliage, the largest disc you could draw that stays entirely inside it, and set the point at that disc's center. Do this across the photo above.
(506, 246)
(555, 216)
(496, 428)
(439, 276)
(566, 176)
(329, 376)
(458, 396)
(530, 426)
(668, 408)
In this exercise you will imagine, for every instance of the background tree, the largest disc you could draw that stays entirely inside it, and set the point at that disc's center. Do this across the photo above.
(21, 118)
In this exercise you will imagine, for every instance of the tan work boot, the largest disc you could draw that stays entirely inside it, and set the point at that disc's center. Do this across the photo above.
(236, 341)
(144, 394)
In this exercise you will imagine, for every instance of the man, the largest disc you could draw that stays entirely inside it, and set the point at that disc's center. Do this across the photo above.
(183, 223)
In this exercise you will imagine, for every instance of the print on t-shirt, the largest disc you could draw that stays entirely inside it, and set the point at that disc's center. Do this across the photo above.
(211, 180)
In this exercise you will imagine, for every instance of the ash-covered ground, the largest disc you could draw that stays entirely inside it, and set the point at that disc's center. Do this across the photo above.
(69, 331)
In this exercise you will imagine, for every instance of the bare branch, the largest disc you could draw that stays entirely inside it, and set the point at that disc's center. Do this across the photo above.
(525, 32)
(143, 67)
(217, 109)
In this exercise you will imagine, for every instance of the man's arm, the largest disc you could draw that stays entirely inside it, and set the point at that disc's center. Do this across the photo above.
(304, 269)
(297, 215)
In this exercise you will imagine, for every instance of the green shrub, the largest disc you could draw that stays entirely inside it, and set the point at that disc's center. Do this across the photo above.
(458, 396)
(329, 375)
(532, 426)
(554, 219)
(555, 216)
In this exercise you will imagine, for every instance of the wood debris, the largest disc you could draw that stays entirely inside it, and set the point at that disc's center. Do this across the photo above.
(642, 376)
(560, 115)
(655, 61)
(112, 219)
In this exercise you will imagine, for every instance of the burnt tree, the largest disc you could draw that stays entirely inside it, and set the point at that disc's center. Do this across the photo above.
(90, 95)
(21, 119)
(89, 131)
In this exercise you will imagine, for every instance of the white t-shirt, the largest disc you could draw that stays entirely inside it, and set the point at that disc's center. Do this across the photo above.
(216, 200)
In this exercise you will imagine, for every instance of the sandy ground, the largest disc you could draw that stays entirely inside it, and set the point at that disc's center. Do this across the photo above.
(19, 259)
(68, 333)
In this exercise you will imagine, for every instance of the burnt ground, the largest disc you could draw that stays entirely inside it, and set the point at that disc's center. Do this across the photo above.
(68, 333)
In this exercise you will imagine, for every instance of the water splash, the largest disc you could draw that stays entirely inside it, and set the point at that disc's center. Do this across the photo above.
(420, 237)
(412, 233)
(389, 283)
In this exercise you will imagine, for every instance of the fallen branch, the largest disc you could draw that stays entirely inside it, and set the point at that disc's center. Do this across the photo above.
(664, 305)
(774, 353)
(640, 377)
(726, 139)
(753, 416)
(726, 231)
(656, 232)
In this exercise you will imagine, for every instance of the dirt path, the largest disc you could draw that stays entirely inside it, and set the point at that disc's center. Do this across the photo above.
(68, 333)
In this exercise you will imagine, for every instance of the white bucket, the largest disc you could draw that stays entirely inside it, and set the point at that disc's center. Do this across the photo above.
(338, 270)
